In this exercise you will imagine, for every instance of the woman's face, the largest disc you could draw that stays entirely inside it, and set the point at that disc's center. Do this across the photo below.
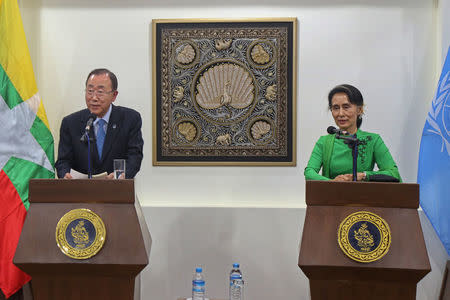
(344, 112)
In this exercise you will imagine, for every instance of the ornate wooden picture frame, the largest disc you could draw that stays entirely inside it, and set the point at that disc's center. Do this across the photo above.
(224, 92)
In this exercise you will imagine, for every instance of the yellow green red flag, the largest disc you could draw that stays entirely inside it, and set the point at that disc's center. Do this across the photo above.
(26, 143)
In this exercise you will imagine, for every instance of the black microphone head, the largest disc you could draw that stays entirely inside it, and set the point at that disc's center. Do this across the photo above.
(89, 122)
(91, 119)
(331, 130)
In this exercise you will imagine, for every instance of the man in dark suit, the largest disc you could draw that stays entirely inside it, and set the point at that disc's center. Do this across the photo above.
(115, 133)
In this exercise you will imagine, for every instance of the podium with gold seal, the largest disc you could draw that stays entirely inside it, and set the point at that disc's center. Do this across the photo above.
(83, 239)
(362, 240)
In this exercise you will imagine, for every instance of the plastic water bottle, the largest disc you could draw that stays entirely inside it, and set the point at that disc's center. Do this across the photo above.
(236, 283)
(198, 285)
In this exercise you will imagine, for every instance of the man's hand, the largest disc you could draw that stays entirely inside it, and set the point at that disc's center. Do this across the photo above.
(67, 176)
(111, 176)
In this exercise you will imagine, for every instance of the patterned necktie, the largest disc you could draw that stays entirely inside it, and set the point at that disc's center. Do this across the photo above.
(100, 136)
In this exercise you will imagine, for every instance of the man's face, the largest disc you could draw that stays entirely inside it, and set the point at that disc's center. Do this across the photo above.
(99, 94)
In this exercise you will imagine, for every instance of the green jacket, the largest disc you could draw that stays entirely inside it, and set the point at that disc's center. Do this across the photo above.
(335, 157)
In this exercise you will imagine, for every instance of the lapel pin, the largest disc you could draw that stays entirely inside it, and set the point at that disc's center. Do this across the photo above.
(114, 126)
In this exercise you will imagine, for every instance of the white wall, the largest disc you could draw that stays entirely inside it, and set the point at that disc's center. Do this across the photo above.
(443, 28)
(387, 50)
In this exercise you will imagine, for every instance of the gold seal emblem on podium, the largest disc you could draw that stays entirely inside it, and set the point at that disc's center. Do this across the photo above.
(80, 233)
(364, 236)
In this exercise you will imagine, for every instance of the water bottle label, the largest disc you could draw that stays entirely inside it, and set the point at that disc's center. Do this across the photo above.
(233, 277)
(198, 283)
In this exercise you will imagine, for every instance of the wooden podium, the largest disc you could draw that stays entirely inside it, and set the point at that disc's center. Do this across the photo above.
(108, 275)
(333, 275)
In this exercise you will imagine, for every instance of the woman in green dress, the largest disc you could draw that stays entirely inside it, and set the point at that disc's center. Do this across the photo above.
(334, 156)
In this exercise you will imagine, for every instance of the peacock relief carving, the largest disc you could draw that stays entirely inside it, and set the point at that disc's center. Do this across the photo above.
(226, 84)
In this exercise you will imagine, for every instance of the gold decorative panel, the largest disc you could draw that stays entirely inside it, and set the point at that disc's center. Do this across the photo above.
(224, 92)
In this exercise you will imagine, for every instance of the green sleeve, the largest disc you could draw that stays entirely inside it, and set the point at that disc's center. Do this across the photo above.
(384, 160)
(315, 162)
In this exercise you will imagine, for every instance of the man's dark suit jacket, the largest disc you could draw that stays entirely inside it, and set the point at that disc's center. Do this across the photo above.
(123, 140)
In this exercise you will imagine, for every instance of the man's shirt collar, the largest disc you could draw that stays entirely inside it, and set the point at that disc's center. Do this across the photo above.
(105, 117)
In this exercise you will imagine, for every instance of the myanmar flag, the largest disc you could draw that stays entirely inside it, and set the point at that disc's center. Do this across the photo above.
(26, 143)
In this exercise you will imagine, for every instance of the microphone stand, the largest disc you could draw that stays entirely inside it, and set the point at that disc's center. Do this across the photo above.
(86, 138)
(353, 143)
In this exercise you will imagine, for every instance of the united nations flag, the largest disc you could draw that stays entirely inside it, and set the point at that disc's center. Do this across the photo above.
(434, 159)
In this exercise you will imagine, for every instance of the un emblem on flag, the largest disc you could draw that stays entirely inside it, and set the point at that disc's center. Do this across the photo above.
(80, 233)
(438, 118)
(364, 236)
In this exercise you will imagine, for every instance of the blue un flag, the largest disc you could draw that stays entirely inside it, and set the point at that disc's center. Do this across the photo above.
(434, 159)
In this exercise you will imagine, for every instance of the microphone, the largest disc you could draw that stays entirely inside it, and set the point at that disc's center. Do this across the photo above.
(341, 134)
(332, 130)
(89, 122)
(88, 127)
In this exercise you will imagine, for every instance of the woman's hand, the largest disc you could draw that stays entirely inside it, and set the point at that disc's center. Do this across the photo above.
(360, 176)
(344, 177)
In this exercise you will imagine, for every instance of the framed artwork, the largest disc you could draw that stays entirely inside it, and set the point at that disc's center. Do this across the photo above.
(224, 92)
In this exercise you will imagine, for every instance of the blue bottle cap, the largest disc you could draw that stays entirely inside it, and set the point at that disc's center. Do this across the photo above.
(198, 270)
(235, 265)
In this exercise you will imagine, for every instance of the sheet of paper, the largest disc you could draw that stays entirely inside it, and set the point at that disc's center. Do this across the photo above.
(78, 175)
